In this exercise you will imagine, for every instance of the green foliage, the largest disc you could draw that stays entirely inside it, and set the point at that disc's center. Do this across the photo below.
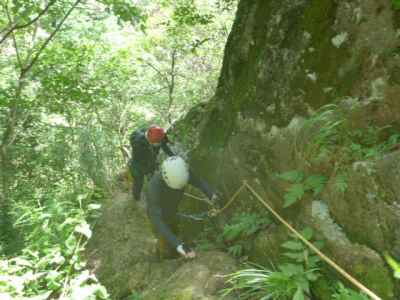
(340, 183)
(299, 186)
(299, 253)
(343, 293)
(291, 280)
(236, 250)
(293, 194)
(334, 137)
(394, 265)
(240, 228)
(186, 13)
(248, 283)
(56, 232)
(243, 225)
(396, 4)
(292, 176)
(134, 296)
(125, 10)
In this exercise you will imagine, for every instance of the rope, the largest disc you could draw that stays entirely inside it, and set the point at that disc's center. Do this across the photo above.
(219, 211)
(198, 198)
(214, 212)
(312, 247)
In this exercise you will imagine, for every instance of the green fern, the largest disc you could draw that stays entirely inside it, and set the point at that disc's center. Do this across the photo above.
(243, 225)
(290, 281)
(396, 4)
(313, 183)
(343, 293)
(294, 194)
(292, 176)
(341, 182)
(297, 251)
(236, 250)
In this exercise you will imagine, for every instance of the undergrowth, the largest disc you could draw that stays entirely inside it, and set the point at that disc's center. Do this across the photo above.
(56, 230)
(334, 137)
(289, 280)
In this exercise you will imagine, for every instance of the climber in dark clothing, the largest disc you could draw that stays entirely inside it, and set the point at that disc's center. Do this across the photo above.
(165, 191)
(146, 144)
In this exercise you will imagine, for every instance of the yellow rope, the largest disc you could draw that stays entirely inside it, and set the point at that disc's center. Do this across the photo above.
(232, 199)
(197, 198)
(312, 247)
(215, 212)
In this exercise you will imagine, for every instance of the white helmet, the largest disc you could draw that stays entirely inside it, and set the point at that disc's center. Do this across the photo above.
(175, 172)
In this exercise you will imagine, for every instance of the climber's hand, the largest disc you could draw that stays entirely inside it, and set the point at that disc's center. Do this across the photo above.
(185, 251)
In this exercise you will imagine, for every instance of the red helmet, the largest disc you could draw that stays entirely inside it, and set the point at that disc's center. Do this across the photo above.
(155, 134)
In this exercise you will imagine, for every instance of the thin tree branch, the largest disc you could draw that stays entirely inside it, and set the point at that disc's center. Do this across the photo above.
(16, 26)
(199, 43)
(164, 77)
(17, 52)
(171, 85)
(14, 40)
(172, 82)
(33, 61)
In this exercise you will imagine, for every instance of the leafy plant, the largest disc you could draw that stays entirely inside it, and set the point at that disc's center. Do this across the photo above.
(299, 186)
(135, 296)
(394, 265)
(343, 293)
(236, 249)
(333, 137)
(53, 262)
(396, 4)
(299, 253)
(289, 282)
(341, 182)
(241, 227)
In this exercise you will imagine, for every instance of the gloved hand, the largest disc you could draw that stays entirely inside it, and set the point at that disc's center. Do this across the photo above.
(216, 200)
(185, 251)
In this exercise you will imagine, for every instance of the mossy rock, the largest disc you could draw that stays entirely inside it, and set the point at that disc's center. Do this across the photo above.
(201, 278)
(266, 248)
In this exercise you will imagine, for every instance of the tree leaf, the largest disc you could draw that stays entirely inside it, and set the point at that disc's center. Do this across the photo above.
(299, 295)
(293, 176)
(315, 183)
(293, 245)
(294, 193)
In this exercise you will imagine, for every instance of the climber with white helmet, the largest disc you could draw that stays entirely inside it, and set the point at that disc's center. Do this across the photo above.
(146, 144)
(165, 191)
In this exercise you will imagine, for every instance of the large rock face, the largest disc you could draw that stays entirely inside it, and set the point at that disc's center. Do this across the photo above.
(283, 61)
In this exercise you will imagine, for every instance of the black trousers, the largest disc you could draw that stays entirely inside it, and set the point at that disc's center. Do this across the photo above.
(137, 186)
(138, 179)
